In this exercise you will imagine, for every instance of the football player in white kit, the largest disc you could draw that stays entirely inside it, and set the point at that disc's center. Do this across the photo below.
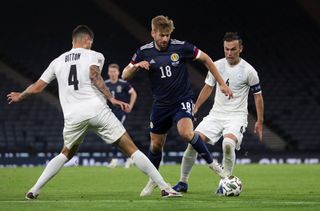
(83, 94)
(228, 117)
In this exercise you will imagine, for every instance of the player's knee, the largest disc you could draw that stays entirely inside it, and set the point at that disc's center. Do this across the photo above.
(69, 153)
(156, 147)
(187, 135)
(228, 145)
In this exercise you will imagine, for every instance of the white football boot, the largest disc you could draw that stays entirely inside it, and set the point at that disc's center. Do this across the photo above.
(148, 189)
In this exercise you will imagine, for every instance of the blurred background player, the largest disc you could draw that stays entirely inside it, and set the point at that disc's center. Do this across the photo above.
(165, 60)
(83, 95)
(227, 118)
(123, 91)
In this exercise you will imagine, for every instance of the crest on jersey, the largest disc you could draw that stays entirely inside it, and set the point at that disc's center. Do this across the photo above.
(119, 89)
(239, 76)
(151, 125)
(174, 59)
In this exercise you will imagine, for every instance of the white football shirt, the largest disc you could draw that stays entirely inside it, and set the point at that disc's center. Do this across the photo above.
(79, 98)
(239, 78)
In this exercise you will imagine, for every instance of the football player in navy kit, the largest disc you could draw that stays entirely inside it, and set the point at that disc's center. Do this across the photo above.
(165, 60)
(123, 91)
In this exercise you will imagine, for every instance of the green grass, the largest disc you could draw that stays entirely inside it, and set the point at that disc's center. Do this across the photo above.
(266, 187)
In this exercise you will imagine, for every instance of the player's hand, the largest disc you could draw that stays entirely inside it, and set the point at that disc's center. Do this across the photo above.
(258, 129)
(143, 65)
(194, 112)
(129, 109)
(226, 91)
(124, 106)
(13, 97)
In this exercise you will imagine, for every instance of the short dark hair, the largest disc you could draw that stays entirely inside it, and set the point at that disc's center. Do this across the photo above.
(81, 30)
(231, 36)
(114, 65)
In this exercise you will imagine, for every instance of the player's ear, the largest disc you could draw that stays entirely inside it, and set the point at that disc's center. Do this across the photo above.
(241, 48)
(153, 33)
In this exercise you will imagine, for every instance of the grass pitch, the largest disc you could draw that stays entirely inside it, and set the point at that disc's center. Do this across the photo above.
(266, 187)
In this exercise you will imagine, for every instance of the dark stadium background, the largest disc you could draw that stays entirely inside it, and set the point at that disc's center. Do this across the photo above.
(281, 40)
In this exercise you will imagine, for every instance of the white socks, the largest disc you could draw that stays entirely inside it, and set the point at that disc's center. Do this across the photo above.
(50, 171)
(188, 160)
(190, 156)
(229, 155)
(145, 165)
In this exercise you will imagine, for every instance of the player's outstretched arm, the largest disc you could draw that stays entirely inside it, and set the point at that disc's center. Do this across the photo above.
(207, 61)
(130, 70)
(97, 80)
(258, 127)
(33, 89)
(203, 96)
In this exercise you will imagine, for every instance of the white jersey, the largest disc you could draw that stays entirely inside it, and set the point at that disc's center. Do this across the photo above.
(79, 98)
(239, 78)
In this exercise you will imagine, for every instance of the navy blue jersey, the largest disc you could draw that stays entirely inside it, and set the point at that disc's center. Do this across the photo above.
(168, 72)
(120, 91)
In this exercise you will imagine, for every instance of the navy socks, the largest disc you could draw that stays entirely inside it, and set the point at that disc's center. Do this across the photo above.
(198, 144)
(155, 158)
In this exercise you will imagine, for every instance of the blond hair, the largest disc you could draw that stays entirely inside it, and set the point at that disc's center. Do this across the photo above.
(162, 23)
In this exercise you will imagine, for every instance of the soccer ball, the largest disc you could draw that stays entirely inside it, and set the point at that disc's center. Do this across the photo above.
(230, 186)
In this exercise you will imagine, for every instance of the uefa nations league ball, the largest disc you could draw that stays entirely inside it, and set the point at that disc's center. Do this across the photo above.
(230, 186)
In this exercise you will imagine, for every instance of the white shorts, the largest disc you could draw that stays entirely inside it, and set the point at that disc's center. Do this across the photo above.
(105, 124)
(214, 128)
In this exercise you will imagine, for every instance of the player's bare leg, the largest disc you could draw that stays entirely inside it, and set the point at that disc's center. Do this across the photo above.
(52, 168)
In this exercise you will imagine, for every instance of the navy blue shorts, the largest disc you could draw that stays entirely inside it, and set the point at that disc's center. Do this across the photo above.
(162, 117)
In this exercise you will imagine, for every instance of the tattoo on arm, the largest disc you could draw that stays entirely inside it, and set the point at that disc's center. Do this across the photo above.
(29, 91)
(98, 82)
(25, 95)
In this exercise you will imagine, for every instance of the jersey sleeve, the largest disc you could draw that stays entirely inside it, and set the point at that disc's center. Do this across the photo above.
(210, 80)
(127, 87)
(49, 75)
(137, 57)
(97, 59)
(254, 82)
(190, 51)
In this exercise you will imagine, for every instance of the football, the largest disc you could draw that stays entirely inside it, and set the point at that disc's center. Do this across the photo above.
(230, 186)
